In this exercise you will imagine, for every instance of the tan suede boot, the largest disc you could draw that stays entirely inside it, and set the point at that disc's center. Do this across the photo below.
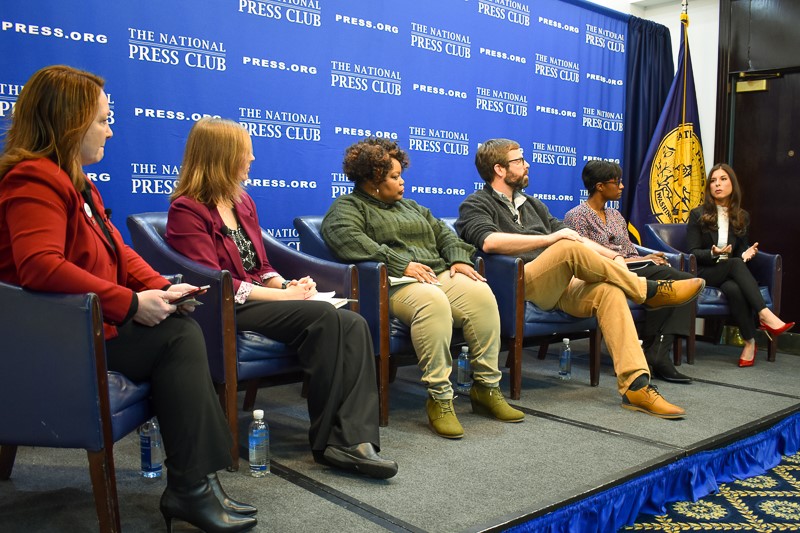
(490, 401)
(442, 418)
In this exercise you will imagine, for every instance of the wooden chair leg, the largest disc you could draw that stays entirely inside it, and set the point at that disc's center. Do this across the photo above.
(104, 487)
(543, 351)
(8, 453)
(595, 338)
(232, 413)
(772, 348)
(515, 358)
(677, 346)
(250, 395)
(383, 390)
(690, 339)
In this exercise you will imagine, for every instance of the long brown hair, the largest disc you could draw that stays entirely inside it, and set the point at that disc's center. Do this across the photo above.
(736, 215)
(53, 112)
(212, 161)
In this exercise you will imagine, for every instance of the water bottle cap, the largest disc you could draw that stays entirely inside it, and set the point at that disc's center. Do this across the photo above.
(464, 349)
(565, 340)
(258, 414)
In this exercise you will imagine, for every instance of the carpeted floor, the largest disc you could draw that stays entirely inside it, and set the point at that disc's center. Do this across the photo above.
(766, 503)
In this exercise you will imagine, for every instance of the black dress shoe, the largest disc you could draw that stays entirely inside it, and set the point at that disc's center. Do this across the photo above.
(198, 505)
(228, 503)
(660, 361)
(668, 372)
(362, 458)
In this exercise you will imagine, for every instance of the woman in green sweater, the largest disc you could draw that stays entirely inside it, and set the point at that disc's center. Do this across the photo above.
(375, 223)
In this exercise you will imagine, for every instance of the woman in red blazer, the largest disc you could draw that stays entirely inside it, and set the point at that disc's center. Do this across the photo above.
(213, 221)
(55, 236)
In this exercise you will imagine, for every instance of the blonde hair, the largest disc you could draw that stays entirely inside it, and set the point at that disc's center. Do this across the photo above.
(212, 162)
(53, 112)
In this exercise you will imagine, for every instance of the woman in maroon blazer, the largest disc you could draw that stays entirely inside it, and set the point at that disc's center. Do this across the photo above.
(213, 221)
(55, 236)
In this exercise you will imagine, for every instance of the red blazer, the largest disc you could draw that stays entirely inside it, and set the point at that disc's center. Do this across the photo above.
(197, 231)
(48, 242)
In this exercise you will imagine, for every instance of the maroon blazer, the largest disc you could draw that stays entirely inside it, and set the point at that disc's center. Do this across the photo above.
(197, 231)
(50, 241)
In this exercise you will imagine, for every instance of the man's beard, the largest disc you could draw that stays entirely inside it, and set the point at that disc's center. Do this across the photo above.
(518, 183)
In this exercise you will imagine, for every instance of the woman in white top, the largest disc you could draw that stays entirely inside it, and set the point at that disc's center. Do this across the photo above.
(717, 236)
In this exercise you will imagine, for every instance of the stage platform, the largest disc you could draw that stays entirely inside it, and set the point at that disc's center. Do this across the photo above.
(575, 442)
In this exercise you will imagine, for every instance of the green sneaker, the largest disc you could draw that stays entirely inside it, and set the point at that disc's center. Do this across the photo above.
(442, 418)
(489, 401)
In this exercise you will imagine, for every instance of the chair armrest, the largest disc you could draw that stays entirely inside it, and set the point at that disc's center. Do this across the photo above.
(765, 267)
(55, 384)
(373, 290)
(675, 260)
(504, 274)
(329, 275)
(768, 271)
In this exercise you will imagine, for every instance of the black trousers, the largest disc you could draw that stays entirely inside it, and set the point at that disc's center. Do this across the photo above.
(336, 352)
(669, 320)
(736, 281)
(172, 356)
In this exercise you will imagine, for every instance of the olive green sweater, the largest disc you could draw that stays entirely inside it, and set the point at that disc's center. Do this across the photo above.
(359, 227)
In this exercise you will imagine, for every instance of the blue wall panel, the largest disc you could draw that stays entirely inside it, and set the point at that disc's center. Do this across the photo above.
(309, 77)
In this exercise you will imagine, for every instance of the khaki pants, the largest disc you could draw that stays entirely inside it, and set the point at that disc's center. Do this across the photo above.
(431, 311)
(577, 280)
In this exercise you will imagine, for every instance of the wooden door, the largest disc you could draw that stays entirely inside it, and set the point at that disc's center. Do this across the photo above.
(766, 157)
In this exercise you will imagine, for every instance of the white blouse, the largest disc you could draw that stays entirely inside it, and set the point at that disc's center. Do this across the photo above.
(722, 228)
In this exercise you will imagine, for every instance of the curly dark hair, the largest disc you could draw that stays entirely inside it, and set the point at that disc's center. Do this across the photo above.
(371, 160)
(736, 215)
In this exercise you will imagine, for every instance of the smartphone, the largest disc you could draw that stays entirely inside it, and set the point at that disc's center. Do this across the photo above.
(185, 297)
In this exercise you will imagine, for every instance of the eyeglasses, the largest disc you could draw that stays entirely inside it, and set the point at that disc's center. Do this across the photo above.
(517, 160)
(615, 181)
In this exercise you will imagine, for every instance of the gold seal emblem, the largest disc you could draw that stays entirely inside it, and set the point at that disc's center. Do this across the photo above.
(677, 176)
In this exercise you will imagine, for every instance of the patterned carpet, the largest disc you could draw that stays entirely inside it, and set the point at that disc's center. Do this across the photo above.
(766, 503)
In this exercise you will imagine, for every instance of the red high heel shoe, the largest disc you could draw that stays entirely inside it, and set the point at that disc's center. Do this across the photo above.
(773, 333)
(744, 362)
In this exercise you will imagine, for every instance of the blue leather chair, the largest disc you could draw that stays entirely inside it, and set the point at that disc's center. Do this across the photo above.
(391, 337)
(245, 356)
(522, 323)
(676, 261)
(525, 324)
(766, 268)
(56, 389)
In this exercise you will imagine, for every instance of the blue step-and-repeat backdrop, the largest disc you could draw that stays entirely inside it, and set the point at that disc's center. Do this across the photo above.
(307, 78)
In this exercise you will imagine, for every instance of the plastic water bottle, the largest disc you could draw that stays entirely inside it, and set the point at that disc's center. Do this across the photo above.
(565, 361)
(463, 378)
(150, 448)
(259, 445)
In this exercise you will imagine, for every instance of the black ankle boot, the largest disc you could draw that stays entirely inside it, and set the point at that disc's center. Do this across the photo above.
(198, 505)
(228, 503)
(662, 367)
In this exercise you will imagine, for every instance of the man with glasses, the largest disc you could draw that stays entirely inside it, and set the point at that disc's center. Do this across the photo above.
(567, 272)
(605, 225)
